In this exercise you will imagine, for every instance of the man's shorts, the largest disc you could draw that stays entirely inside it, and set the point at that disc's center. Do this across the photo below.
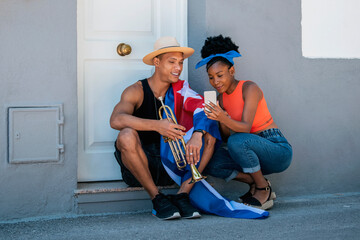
(157, 170)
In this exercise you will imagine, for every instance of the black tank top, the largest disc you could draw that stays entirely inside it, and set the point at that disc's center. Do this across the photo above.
(149, 109)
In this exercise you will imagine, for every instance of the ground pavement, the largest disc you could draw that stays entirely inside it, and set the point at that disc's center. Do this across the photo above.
(331, 216)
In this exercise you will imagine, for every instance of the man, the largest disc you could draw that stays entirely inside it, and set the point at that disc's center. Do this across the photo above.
(138, 143)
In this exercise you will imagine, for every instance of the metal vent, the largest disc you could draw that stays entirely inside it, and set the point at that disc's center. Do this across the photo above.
(35, 134)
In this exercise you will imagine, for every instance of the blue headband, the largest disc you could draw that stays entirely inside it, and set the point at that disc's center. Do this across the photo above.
(228, 56)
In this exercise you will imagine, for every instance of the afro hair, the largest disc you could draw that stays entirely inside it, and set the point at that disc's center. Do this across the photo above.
(217, 44)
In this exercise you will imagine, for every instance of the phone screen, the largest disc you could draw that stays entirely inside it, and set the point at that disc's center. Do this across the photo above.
(210, 96)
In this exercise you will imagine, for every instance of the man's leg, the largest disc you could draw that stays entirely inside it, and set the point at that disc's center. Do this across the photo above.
(181, 199)
(134, 159)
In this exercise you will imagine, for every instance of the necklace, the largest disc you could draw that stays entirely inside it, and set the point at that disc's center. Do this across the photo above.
(156, 108)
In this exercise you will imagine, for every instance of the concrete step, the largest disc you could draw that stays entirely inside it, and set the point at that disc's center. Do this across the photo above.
(114, 196)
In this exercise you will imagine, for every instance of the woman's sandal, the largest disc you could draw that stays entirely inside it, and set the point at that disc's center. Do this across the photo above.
(249, 194)
(253, 202)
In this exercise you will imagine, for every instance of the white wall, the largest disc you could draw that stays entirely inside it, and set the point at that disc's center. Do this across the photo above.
(330, 28)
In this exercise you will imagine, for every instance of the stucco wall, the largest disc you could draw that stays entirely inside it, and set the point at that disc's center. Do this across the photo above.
(38, 66)
(314, 101)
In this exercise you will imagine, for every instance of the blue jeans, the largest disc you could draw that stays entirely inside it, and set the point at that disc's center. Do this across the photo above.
(268, 151)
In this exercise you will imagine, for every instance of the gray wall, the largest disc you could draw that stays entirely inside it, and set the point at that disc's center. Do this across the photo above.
(315, 102)
(38, 66)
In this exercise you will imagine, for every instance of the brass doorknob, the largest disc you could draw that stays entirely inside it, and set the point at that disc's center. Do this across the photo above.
(123, 49)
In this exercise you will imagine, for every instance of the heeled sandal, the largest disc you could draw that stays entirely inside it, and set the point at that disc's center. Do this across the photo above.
(253, 202)
(249, 194)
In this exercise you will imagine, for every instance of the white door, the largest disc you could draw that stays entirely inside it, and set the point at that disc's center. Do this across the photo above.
(103, 74)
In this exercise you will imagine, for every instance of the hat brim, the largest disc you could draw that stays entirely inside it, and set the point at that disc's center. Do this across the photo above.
(148, 59)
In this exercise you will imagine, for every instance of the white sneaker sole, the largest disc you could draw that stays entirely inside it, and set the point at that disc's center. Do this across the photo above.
(174, 216)
(195, 215)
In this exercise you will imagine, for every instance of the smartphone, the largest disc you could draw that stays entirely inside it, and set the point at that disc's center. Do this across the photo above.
(210, 96)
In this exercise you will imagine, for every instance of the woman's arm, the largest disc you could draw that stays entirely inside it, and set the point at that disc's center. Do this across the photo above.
(252, 96)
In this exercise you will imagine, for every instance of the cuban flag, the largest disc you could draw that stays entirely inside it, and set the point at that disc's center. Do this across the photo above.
(188, 109)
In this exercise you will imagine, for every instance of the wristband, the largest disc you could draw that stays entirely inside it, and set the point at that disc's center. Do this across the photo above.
(200, 130)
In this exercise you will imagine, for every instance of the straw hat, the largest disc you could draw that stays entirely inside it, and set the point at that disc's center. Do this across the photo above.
(165, 45)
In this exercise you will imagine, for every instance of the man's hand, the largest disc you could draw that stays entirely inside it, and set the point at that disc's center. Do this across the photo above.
(170, 130)
(193, 147)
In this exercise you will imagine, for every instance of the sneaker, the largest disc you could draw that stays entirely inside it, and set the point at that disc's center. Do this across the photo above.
(182, 202)
(163, 208)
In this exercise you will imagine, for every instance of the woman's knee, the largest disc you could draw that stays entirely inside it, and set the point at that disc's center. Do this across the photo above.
(127, 139)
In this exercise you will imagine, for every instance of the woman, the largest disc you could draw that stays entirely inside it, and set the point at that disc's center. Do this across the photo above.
(255, 146)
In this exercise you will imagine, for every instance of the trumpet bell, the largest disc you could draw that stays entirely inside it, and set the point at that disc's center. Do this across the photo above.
(196, 175)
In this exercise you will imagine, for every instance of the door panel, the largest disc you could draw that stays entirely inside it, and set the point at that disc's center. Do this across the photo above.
(103, 74)
(105, 83)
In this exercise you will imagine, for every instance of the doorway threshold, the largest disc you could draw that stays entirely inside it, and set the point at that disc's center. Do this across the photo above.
(114, 197)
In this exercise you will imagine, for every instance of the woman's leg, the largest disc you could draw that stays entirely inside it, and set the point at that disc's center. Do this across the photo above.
(221, 165)
(260, 183)
(253, 153)
(244, 177)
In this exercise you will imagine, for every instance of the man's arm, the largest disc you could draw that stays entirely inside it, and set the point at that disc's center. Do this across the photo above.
(122, 117)
(209, 148)
(193, 147)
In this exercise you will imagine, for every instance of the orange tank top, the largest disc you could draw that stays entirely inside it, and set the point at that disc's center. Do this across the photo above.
(234, 105)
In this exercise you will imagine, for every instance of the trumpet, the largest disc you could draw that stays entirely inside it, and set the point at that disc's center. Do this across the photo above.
(178, 146)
